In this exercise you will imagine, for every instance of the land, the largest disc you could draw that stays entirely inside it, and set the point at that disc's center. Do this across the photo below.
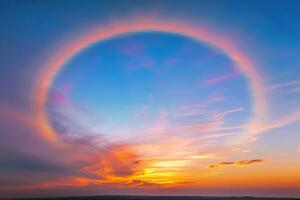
(158, 198)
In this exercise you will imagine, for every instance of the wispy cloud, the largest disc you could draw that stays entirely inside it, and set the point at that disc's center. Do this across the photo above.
(223, 114)
(282, 85)
(295, 90)
(219, 79)
(197, 109)
(290, 86)
(258, 129)
(141, 113)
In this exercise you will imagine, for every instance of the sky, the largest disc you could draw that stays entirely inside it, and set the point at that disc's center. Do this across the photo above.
(149, 97)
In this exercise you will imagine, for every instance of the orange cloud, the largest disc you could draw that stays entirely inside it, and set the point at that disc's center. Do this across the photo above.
(115, 163)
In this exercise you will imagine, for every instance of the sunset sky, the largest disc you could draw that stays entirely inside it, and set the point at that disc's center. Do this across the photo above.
(149, 98)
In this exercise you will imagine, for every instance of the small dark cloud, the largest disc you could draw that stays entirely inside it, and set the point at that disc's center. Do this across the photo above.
(235, 163)
(248, 162)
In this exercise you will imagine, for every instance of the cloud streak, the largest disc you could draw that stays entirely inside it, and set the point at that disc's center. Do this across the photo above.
(284, 85)
(216, 80)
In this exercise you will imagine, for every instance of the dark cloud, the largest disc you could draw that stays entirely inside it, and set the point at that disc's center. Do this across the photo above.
(235, 163)
(248, 162)
(19, 161)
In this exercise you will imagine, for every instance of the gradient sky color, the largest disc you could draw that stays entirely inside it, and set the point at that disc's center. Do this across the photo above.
(143, 97)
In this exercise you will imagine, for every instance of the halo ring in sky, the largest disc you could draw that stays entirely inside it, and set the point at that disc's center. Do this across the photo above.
(68, 50)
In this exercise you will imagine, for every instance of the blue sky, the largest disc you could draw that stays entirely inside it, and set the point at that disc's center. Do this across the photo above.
(129, 80)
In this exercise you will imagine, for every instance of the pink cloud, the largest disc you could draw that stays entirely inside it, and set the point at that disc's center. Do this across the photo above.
(260, 128)
(290, 87)
(218, 79)
(132, 49)
(223, 114)
(283, 85)
(60, 98)
(295, 90)
(142, 112)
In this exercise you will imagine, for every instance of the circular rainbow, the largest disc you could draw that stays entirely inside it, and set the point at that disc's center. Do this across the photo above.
(68, 50)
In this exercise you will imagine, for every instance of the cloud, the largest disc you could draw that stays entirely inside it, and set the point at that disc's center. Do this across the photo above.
(132, 49)
(141, 113)
(105, 163)
(248, 162)
(259, 128)
(20, 169)
(219, 79)
(290, 86)
(84, 157)
(283, 85)
(70, 120)
(198, 109)
(14, 115)
(223, 114)
(235, 163)
(116, 160)
(12, 161)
